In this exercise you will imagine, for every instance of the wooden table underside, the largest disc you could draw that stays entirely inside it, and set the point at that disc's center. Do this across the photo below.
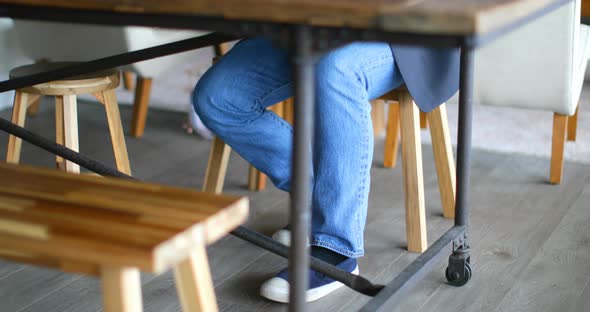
(415, 16)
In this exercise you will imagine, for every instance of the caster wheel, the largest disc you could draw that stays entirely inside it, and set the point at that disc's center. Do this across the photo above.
(456, 278)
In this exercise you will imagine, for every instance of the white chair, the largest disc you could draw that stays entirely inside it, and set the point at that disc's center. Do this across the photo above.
(540, 66)
(78, 42)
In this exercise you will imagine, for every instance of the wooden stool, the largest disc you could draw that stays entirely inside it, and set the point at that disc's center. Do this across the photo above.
(114, 229)
(101, 85)
(407, 114)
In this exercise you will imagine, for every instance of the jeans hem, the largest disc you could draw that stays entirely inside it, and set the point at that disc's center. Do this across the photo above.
(343, 251)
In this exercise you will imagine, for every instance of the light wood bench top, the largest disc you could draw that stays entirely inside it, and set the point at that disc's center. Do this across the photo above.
(416, 16)
(46, 214)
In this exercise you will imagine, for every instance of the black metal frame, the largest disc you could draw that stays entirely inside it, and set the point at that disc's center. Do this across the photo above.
(307, 43)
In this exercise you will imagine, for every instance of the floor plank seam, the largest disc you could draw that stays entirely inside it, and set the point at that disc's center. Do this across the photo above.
(223, 281)
(12, 272)
(74, 278)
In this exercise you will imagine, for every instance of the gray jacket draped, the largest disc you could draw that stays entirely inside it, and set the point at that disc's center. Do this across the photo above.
(431, 75)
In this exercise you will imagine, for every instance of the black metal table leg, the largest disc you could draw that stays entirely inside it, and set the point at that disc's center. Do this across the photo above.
(304, 92)
(458, 272)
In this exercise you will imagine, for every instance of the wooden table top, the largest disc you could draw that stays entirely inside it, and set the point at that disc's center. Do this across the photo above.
(414, 16)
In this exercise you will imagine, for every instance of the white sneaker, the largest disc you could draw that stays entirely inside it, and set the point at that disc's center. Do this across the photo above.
(320, 285)
(283, 236)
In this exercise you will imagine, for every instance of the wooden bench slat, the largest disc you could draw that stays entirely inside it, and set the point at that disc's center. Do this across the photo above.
(116, 193)
(157, 215)
(59, 247)
(66, 266)
(101, 229)
(114, 205)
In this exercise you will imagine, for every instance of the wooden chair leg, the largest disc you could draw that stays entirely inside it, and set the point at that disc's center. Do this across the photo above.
(572, 126)
(378, 116)
(256, 179)
(412, 174)
(19, 110)
(443, 158)
(558, 146)
(221, 49)
(140, 106)
(391, 137)
(423, 120)
(128, 80)
(59, 130)
(194, 283)
(116, 130)
(70, 112)
(121, 289)
(289, 110)
(216, 167)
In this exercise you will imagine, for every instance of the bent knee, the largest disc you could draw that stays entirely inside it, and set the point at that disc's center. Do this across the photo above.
(205, 102)
(218, 105)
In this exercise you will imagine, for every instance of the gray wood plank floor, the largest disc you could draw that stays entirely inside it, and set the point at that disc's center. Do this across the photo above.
(530, 240)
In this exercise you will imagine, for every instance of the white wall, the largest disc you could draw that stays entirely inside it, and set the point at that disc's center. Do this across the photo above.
(9, 58)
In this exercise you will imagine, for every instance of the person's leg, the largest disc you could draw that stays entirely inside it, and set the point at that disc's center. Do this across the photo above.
(231, 100)
(347, 79)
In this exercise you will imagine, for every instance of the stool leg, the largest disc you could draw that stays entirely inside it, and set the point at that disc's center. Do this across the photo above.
(59, 130)
(221, 49)
(121, 289)
(557, 148)
(128, 80)
(289, 110)
(378, 116)
(443, 158)
(423, 120)
(194, 283)
(216, 167)
(116, 131)
(33, 108)
(391, 137)
(19, 110)
(256, 179)
(71, 129)
(140, 106)
(412, 174)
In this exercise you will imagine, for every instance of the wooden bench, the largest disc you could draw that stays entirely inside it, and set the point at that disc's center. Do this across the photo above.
(114, 229)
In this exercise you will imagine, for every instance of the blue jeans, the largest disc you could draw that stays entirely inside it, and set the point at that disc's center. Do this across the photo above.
(231, 100)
